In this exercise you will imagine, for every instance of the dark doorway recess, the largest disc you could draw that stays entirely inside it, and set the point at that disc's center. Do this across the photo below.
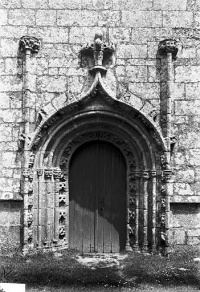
(97, 198)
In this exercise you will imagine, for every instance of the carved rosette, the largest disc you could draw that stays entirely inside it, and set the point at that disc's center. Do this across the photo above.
(168, 46)
(29, 43)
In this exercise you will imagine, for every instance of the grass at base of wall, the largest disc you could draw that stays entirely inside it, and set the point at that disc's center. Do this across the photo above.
(137, 269)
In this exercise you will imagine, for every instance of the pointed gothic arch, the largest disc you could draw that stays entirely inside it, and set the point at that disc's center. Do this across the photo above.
(97, 118)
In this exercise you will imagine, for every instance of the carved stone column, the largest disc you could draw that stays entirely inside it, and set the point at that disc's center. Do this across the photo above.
(57, 176)
(47, 204)
(168, 50)
(137, 184)
(165, 205)
(28, 45)
(145, 177)
(40, 173)
(153, 175)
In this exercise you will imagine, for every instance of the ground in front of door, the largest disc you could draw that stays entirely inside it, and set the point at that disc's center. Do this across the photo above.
(70, 271)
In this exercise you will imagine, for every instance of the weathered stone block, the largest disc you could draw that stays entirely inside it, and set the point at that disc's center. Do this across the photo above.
(186, 176)
(98, 4)
(193, 232)
(184, 199)
(153, 74)
(177, 18)
(5, 132)
(192, 90)
(194, 157)
(170, 5)
(63, 4)
(189, 139)
(61, 62)
(12, 66)
(193, 240)
(21, 17)
(145, 90)
(10, 4)
(132, 5)
(4, 100)
(74, 85)
(132, 51)
(35, 4)
(177, 236)
(142, 18)
(3, 17)
(106, 18)
(12, 115)
(45, 17)
(12, 31)
(184, 107)
(183, 189)
(81, 35)
(187, 53)
(119, 34)
(9, 48)
(77, 18)
(137, 73)
(51, 84)
(10, 83)
(50, 34)
(148, 34)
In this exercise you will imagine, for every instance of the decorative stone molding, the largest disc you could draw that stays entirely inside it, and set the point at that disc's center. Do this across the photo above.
(62, 198)
(168, 46)
(31, 159)
(57, 173)
(48, 173)
(26, 172)
(40, 172)
(29, 43)
(145, 175)
(167, 175)
(98, 50)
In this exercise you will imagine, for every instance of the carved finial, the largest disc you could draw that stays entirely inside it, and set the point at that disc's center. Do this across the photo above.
(29, 43)
(98, 35)
(98, 49)
(168, 46)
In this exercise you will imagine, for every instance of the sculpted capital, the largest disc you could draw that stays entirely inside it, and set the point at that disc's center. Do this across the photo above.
(168, 46)
(29, 43)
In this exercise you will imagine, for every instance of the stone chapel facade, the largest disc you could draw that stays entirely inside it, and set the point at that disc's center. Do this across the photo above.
(99, 124)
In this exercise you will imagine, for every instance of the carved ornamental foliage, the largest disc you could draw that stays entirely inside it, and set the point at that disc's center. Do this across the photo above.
(29, 43)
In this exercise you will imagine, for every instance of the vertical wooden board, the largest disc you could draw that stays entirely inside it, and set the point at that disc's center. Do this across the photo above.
(97, 187)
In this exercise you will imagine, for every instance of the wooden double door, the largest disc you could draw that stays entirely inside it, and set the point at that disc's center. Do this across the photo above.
(97, 198)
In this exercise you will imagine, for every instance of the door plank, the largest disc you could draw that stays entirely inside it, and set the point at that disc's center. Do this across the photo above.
(97, 186)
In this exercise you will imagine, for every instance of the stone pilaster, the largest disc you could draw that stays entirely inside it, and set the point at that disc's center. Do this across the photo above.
(28, 46)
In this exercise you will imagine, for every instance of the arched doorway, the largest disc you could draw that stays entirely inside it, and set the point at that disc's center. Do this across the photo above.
(97, 198)
(66, 138)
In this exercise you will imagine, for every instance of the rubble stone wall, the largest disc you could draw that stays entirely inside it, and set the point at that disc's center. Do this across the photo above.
(136, 27)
